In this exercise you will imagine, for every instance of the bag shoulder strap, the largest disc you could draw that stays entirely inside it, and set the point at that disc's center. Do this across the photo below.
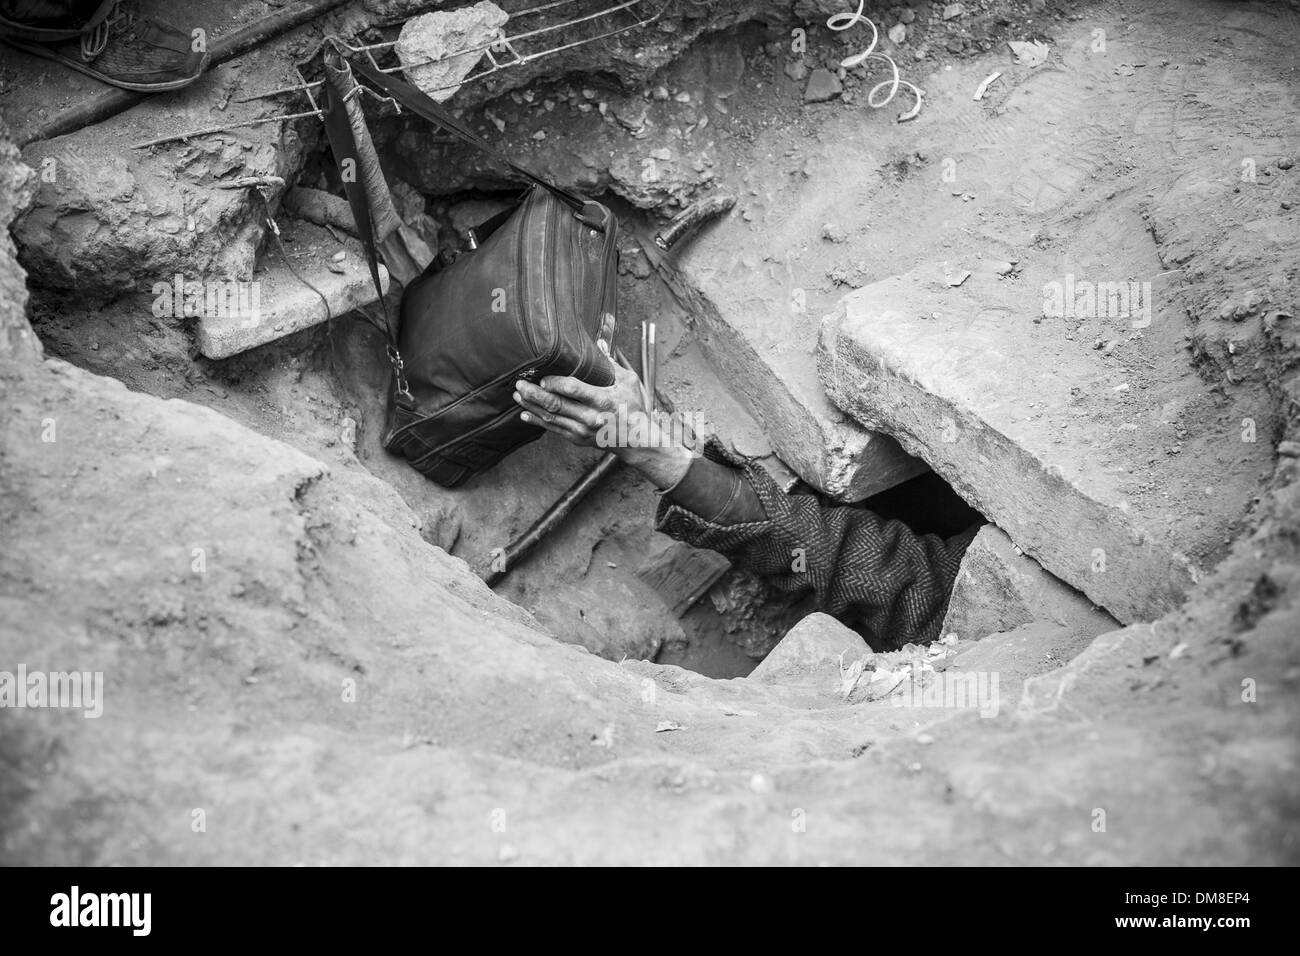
(343, 142)
(424, 106)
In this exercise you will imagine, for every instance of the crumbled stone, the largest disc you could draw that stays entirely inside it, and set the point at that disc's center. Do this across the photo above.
(433, 36)
(823, 85)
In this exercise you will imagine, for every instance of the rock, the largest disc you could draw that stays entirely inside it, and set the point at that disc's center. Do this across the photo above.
(1016, 655)
(625, 623)
(472, 213)
(320, 207)
(897, 34)
(797, 70)
(109, 220)
(17, 187)
(952, 10)
(999, 589)
(812, 653)
(436, 36)
(822, 85)
(833, 232)
(407, 200)
(591, 157)
(631, 113)
(440, 524)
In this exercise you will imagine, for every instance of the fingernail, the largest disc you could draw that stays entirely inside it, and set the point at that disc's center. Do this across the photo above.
(519, 398)
(523, 417)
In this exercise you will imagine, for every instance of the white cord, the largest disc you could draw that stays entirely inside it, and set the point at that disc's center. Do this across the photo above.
(846, 19)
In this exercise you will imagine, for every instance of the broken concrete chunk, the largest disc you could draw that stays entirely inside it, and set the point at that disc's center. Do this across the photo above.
(999, 589)
(1021, 421)
(438, 50)
(762, 332)
(235, 316)
(815, 652)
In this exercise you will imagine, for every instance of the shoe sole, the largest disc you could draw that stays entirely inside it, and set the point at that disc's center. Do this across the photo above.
(37, 50)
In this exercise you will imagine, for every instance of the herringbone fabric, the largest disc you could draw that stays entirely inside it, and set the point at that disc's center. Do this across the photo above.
(867, 571)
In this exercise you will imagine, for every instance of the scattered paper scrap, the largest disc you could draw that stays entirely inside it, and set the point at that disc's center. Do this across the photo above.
(1029, 52)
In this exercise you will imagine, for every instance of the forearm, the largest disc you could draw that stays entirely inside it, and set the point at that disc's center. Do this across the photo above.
(859, 565)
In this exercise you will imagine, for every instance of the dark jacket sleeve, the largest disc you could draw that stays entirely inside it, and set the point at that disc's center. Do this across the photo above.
(862, 568)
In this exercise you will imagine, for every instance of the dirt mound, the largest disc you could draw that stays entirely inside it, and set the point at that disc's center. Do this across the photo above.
(292, 674)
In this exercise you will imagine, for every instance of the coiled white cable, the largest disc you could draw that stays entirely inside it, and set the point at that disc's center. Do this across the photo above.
(847, 19)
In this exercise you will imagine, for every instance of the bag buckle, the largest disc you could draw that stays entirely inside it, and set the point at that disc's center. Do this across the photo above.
(593, 214)
(395, 359)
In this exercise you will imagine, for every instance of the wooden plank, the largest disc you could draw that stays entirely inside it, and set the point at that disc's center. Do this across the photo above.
(681, 574)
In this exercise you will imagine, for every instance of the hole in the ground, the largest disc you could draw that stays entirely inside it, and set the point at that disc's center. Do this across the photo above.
(583, 581)
(927, 504)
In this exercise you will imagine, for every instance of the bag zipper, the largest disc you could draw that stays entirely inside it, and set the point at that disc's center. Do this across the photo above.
(549, 242)
(465, 437)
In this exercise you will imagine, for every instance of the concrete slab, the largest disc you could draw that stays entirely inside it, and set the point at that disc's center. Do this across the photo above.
(764, 351)
(1000, 589)
(1113, 466)
(237, 316)
(815, 652)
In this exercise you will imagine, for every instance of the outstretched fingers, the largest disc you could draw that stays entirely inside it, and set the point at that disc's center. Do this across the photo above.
(597, 399)
(549, 405)
(567, 427)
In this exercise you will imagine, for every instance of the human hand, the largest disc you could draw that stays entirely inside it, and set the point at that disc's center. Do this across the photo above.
(614, 418)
